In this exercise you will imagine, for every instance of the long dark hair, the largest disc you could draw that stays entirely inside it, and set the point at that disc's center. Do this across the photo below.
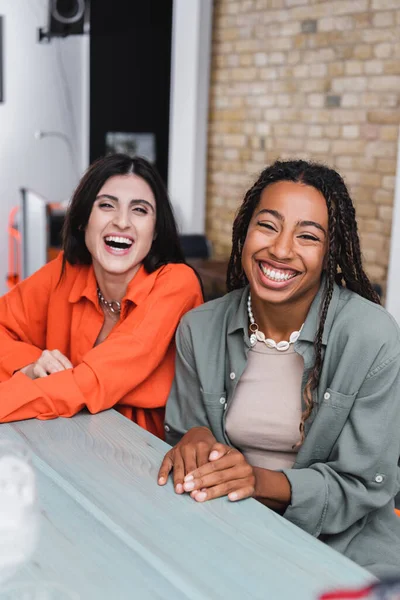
(166, 247)
(343, 263)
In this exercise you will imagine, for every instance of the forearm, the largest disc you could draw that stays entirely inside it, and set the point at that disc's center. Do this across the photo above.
(272, 489)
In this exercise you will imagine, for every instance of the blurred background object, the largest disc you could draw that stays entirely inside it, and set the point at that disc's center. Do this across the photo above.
(18, 508)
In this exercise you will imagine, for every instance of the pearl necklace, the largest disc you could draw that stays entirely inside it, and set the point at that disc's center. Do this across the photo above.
(114, 307)
(259, 336)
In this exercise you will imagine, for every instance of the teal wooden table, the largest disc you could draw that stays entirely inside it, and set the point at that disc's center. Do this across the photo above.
(108, 531)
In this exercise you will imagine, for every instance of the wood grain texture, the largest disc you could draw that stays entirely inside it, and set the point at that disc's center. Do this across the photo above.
(109, 530)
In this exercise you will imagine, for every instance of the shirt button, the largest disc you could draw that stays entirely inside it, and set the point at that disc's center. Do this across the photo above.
(222, 400)
(232, 375)
(327, 395)
(379, 478)
(166, 428)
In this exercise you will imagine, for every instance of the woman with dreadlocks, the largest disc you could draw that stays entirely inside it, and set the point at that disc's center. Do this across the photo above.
(288, 388)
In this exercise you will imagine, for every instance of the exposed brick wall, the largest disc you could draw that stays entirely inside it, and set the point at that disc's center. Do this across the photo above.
(306, 78)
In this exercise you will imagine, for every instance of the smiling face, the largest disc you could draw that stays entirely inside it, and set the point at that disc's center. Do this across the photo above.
(286, 243)
(121, 226)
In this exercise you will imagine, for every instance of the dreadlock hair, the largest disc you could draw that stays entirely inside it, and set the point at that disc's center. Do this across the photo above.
(343, 261)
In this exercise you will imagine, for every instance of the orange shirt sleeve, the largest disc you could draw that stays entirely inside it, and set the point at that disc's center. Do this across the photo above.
(23, 317)
(111, 370)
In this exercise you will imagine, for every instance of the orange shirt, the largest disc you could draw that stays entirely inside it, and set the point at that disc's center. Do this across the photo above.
(132, 370)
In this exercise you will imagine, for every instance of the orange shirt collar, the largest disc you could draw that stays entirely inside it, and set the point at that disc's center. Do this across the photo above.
(85, 285)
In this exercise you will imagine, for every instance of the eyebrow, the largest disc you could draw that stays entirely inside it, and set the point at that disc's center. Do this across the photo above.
(281, 218)
(132, 202)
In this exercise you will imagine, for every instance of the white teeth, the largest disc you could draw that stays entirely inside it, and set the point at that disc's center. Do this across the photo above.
(118, 239)
(276, 275)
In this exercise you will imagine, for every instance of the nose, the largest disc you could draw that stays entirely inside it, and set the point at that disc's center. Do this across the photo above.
(282, 246)
(121, 219)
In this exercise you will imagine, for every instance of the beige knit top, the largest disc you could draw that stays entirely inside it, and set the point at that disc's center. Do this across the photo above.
(264, 415)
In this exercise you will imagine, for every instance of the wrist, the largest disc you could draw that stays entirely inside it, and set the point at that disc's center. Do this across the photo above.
(272, 485)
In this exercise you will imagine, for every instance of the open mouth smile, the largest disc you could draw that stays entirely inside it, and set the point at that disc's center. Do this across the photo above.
(118, 244)
(275, 275)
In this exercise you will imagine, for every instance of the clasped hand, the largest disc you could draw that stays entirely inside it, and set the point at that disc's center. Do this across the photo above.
(50, 361)
(207, 469)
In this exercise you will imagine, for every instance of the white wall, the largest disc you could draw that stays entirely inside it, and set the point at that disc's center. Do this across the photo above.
(45, 89)
(393, 289)
(190, 75)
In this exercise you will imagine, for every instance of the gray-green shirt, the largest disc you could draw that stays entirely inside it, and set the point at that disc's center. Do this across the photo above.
(346, 474)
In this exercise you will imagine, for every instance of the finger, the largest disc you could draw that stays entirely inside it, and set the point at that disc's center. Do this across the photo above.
(218, 477)
(165, 469)
(179, 472)
(63, 360)
(242, 493)
(237, 489)
(189, 459)
(39, 371)
(231, 458)
(218, 451)
(50, 365)
(49, 362)
(203, 452)
(195, 492)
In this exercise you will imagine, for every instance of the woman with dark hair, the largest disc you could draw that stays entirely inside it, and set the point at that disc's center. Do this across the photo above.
(95, 327)
(288, 388)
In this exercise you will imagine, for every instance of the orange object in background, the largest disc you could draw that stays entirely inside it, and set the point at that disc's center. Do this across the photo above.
(14, 274)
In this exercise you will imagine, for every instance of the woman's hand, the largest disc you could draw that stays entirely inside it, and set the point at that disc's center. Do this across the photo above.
(188, 455)
(51, 361)
(226, 473)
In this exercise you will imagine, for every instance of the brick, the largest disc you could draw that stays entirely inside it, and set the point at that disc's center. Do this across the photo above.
(380, 149)
(388, 182)
(383, 50)
(370, 131)
(362, 20)
(367, 210)
(391, 67)
(317, 146)
(315, 131)
(350, 100)
(373, 67)
(350, 84)
(347, 147)
(376, 273)
(333, 100)
(389, 133)
(385, 213)
(260, 59)
(309, 26)
(332, 23)
(386, 166)
(383, 19)
(316, 100)
(384, 116)
(335, 69)
(362, 51)
(383, 197)
(350, 131)
(332, 131)
(354, 67)
(385, 4)
(301, 71)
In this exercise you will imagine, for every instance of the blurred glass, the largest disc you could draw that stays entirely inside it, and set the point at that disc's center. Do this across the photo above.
(18, 508)
(38, 591)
